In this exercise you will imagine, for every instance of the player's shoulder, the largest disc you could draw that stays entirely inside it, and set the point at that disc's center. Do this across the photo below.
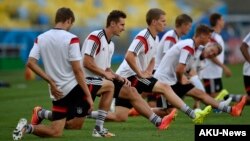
(189, 42)
(99, 33)
(143, 32)
(59, 33)
(216, 36)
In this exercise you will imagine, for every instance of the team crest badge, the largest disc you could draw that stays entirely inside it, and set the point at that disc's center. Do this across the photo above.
(79, 110)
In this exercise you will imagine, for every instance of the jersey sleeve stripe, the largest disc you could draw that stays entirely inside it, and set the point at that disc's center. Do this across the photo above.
(171, 39)
(189, 49)
(74, 40)
(213, 40)
(144, 42)
(97, 44)
(36, 41)
(95, 39)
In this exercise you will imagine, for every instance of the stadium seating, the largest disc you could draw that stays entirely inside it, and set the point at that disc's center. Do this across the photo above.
(25, 14)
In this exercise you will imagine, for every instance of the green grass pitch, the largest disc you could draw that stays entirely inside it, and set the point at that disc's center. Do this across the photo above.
(19, 100)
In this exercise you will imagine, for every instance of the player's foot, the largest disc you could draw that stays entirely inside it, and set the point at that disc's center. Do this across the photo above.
(133, 112)
(20, 129)
(103, 133)
(199, 116)
(35, 120)
(238, 107)
(207, 110)
(167, 120)
(227, 102)
(221, 95)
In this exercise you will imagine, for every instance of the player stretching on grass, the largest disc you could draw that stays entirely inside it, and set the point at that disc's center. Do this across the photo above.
(60, 52)
(174, 64)
(139, 64)
(97, 51)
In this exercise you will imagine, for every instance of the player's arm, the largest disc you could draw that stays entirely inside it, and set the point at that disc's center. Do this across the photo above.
(79, 75)
(180, 70)
(89, 63)
(32, 64)
(150, 67)
(185, 56)
(227, 71)
(75, 58)
(131, 60)
(119, 78)
(244, 50)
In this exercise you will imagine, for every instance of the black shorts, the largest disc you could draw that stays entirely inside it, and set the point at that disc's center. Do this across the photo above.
(94, 84)
(118, 85)
(120, 101)
(123, 102)
(142, 84)
(247, 84)
(181, 90)
(72, 105)
(213, 85)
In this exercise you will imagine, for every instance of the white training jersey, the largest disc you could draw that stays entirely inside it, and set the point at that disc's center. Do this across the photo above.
(212, 70)
(182, 52)
(144, 46)
(167, 41)
(97, 46)
(246, 67)
(196, 63)
(58, 48)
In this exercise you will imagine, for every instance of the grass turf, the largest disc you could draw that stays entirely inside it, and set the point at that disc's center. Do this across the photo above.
(19, 100)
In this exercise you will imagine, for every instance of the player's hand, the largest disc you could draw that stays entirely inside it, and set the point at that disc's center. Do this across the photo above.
(91, 103)
(109, 75)
(227, 72)
(127, 82)
(56, 92)
(144, 75)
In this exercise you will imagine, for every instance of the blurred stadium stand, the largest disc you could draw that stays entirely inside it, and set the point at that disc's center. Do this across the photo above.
(23, 20)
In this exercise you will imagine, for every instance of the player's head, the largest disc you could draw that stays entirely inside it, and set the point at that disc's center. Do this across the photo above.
(216, 20)
(211, 50)
(116, 21)
(66, 16)
(184, 23)
(157, 18)
(202, 34)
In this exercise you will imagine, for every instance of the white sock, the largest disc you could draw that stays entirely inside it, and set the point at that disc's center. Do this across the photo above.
(112, 106)
(94, 114)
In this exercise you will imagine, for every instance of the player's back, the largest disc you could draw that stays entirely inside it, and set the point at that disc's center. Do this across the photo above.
(56, 51)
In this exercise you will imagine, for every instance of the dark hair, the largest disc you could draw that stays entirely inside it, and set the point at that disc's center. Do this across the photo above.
(202, 29)
(182, 19)
(154, 14)
(214, 18)
(115, 16)
(64, 14)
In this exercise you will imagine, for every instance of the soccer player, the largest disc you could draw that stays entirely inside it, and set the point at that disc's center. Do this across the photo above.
(139, 63)
(61, 56)
(98, 49)
(245, 50)
(183, 24)
(175, 62)
(214, 67)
